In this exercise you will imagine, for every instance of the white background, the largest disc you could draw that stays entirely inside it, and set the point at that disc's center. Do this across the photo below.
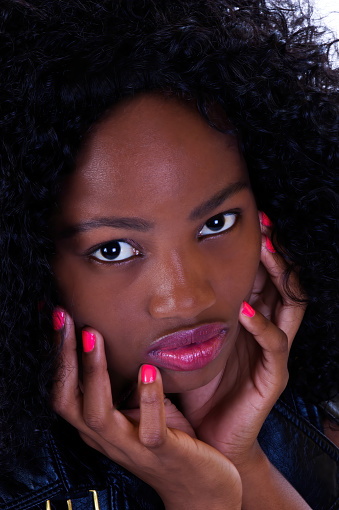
(330, 10)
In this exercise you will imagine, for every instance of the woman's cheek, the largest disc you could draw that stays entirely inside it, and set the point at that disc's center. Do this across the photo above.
(235, 274)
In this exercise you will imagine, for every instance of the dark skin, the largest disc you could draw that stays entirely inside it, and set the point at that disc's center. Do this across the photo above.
(157, 160)
(164, 289)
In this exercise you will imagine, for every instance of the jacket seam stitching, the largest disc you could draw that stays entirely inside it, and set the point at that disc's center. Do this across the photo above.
(37, 498)
(308, 429)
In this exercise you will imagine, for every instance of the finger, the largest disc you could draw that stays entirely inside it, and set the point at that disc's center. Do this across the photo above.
(265, 220)
(98, 411)
(174, 418)
(152, 429)
(272, 340)
(66, 395)
(267, 334)
(290, 315)
(277, 267)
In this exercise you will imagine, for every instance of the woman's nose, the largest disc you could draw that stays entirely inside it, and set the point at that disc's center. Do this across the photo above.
(180, 288)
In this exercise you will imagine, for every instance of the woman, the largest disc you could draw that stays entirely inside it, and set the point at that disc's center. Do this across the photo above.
(142, 144)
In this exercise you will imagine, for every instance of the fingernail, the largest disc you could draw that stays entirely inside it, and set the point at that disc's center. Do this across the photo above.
(247, 310)
(88, 341)
(58, 317)
(148, 374)
(269, 245)
(266, 221)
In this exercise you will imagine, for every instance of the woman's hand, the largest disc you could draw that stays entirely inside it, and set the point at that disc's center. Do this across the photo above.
(231, 417)
(183, 470)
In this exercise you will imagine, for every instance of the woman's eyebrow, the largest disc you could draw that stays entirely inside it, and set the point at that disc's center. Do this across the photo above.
(113, 221)
(216, 200)
(141, 225)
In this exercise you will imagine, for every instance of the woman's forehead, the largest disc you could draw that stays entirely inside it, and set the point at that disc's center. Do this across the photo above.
(135, 121)
(149, 150)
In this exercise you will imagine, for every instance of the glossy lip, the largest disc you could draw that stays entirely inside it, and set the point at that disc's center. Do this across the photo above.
(189, 349)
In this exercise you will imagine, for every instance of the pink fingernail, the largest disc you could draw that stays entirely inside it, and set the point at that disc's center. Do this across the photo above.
(247, 310)
(58, 318)
(269, 245)
(148, 374)
(266, 221)
(88, 341)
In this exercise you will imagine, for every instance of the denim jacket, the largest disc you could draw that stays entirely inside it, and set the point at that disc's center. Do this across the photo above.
(71, 475)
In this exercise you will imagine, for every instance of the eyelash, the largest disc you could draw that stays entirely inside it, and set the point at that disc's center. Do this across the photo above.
(120, 243)
(235, 214)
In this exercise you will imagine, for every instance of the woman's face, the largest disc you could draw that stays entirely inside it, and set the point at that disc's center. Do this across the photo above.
(158, 234)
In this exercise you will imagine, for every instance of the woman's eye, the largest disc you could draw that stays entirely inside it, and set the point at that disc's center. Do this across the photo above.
(218, 224)
(114, 252)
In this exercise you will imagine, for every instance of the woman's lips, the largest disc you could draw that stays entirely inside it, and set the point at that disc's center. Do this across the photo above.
(188, 349)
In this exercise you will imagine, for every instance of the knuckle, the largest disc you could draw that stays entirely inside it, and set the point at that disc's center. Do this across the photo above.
(95, 422)
(150, 399)
(66, 408)
(60, 402)
(152, 438)
(89, 369)
(285, 377)
(282, 381)
(282, 343)
(263, 325)
(58, 406)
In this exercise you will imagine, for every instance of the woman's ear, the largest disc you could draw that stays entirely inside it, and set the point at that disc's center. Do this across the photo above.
(259, 283)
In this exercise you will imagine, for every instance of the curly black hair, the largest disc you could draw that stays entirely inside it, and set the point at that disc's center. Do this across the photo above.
(64, 63)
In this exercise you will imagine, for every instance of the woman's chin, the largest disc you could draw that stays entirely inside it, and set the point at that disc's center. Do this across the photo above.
(184, 381)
